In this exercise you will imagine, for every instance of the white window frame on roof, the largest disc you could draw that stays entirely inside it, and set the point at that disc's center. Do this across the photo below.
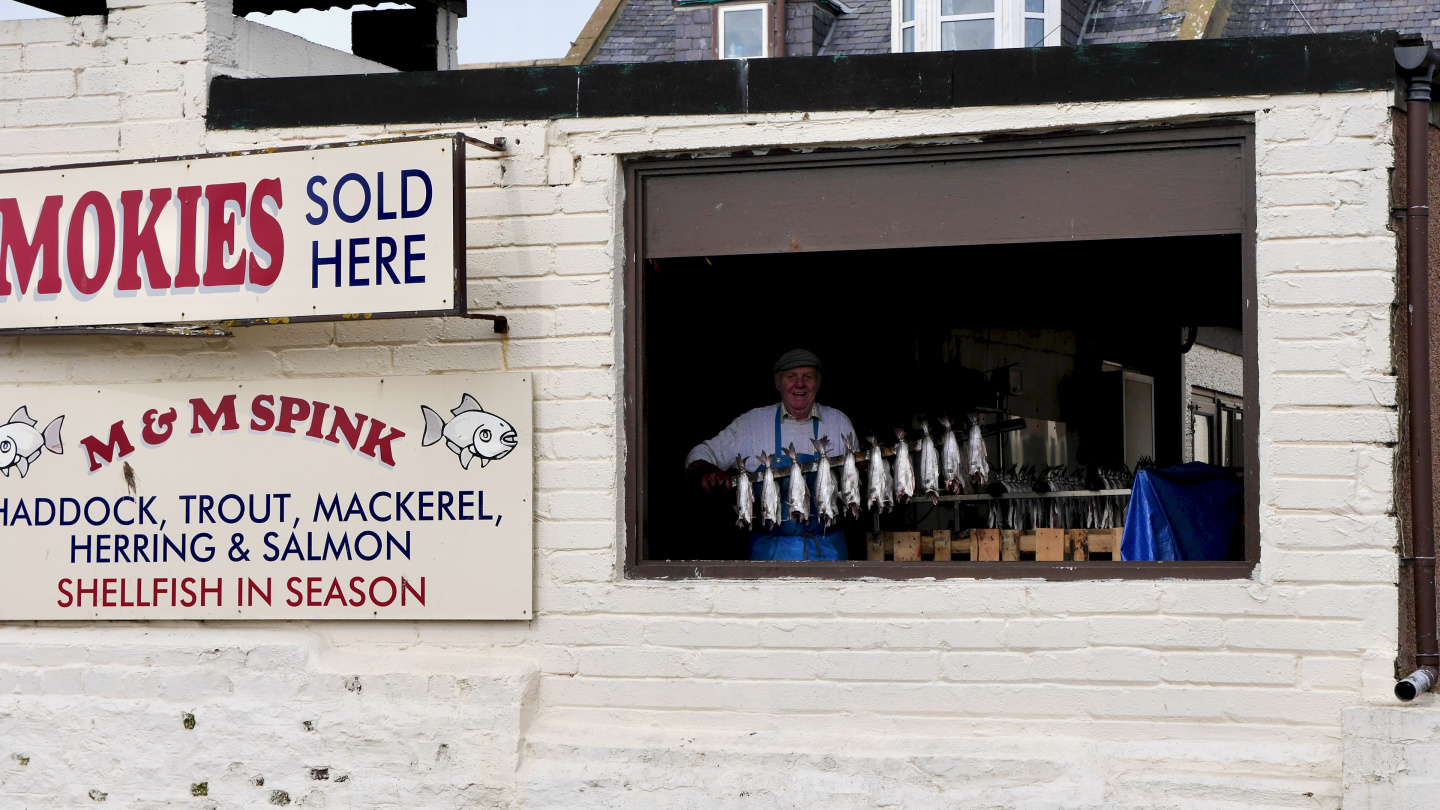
(721, 11)
(1009, 15)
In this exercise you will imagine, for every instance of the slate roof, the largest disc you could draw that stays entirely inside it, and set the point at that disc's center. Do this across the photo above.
(867, 30)
(1113, 21)
(644, 30)
(1148, 20)
(1259, 18)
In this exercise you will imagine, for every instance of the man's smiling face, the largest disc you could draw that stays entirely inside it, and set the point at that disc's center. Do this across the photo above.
(798, 387)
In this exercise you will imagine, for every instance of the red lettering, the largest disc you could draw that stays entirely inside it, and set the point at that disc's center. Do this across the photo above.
(138, 240)
(185, 275)
(19, 253)
(406, 588)
(202, 415)
(204, 589)
(311, 590)
(292, 410)
(220, 232)
(86, 284)
(335, 592)
(155, 428)
(266, 233)
(356, 589)
(388, 581)
(351, 430)
(316, 419)
(140, 594)
(290, 584)
(123, 603)
(107, 590)
(118, 441)
(374, 441)
(260, 408)
(93, 590)
(255, 589)
(158, 586)
(189, 592)
(69, 598)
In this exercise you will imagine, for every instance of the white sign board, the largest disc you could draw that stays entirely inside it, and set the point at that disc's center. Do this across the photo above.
(307, 233)
(382, 498)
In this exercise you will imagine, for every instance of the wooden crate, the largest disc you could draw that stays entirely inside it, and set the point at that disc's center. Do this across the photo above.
(993, 545)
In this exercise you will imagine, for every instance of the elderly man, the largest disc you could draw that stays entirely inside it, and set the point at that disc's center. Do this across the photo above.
(769, 429)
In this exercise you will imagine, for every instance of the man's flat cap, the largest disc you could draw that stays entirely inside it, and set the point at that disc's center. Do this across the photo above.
(796, 358)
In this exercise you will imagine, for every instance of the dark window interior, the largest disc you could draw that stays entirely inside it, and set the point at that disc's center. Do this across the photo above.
(908, 334)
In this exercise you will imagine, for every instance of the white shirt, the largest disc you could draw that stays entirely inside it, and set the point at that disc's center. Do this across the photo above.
(753, 433)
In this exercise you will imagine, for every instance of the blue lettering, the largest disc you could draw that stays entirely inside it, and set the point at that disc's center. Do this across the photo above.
(411, 256)
(383, 259)
(316, 260)
(74, 547)
(352, 177)
(355, 259)
(320, 201)
(380, 212)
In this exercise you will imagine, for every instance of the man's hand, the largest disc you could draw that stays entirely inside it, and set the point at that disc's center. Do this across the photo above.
(711, 477)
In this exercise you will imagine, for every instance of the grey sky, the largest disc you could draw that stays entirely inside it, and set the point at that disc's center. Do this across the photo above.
(495, 31)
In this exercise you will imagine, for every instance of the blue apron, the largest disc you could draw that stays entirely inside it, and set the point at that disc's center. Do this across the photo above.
(791, 540)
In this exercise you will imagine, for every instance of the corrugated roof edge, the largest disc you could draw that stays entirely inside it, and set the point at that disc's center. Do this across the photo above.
(1318, 63)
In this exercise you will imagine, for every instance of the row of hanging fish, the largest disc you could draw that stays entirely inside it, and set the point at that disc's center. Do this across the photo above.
(1081, 512)
(886, 482)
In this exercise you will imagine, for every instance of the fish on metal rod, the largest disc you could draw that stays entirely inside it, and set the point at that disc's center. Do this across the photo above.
(929, 464)
(904, 468)
(880, 492)
(827, 495)
(850, 497)
(744, 496)
(769, 495)
(952, 463)
(799, 493)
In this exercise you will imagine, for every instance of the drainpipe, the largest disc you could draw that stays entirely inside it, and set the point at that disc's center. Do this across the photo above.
(782, 25)
(1417, 61)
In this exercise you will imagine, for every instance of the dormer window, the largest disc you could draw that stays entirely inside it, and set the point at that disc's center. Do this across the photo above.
(972, 25)
(741, 31)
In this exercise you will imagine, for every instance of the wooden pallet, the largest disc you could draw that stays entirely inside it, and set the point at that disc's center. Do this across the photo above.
(993, 545)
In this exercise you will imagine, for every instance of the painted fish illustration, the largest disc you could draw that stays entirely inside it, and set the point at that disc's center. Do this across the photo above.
(20, 442)
(850, 479)
(976, 463)
(952, 464)
(769, 495)
(827, 500)
(744, 496)
(473, 433)
(879, 489)
(929, 464)
(799, 493)
(904, 469)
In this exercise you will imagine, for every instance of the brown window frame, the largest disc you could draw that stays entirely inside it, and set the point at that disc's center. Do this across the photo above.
(1217, 405)
(641, 169)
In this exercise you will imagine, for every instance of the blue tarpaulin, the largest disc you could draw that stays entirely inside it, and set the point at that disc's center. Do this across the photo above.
(1189, 512)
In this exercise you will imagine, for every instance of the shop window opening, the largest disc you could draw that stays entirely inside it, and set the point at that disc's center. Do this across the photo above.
(1063, 358)
(892, 364)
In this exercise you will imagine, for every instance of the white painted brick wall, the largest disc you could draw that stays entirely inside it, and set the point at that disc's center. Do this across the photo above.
(134, 83)
(776, 693)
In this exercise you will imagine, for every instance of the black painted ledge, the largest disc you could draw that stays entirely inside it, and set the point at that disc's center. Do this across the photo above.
(1313, 63)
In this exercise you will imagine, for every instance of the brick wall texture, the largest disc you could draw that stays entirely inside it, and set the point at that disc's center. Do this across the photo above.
(1111, 694)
